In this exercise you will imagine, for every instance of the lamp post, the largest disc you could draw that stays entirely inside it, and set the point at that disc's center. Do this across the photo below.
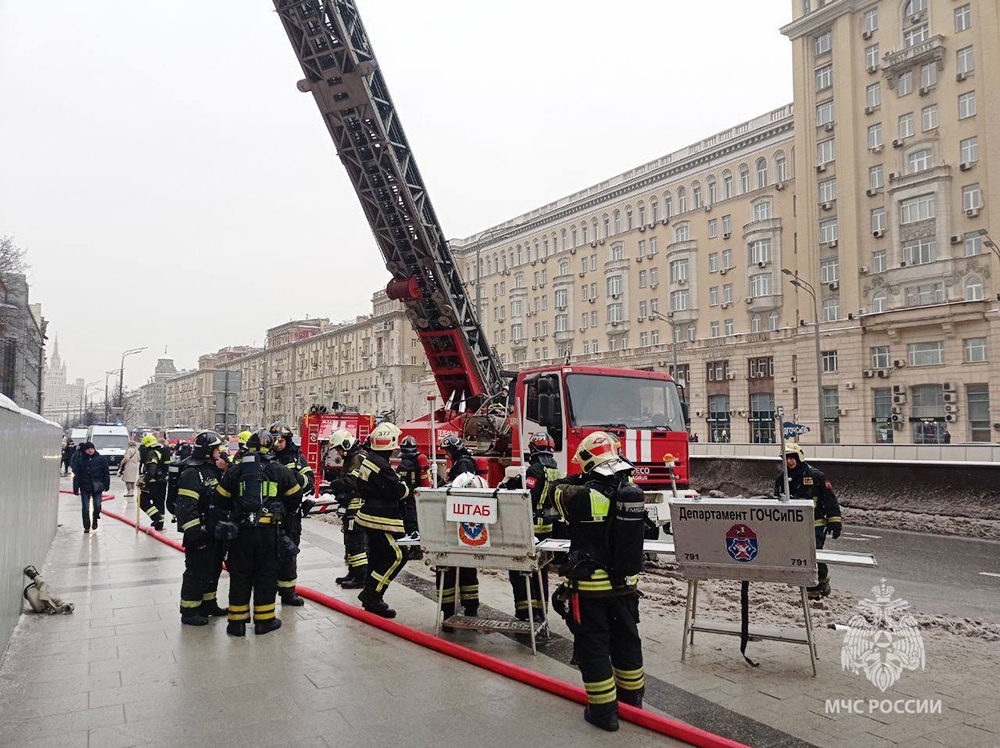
(669, 319)
(811, 290)
(83, 396)
(121, 375)
(107, 402)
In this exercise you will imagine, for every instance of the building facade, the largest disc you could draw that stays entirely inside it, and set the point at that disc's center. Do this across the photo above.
(152, 395)
(374, 364)
(868, 214)
(206, 398)
(64, 400)
(22, 344)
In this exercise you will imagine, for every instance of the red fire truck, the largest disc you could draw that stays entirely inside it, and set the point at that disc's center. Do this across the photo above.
(316, 429)
(483, 402)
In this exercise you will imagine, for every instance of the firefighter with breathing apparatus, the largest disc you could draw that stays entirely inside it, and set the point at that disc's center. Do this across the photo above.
(462, 468)
(599, 597)
(345, 488)
(153, 479)
(291, 457)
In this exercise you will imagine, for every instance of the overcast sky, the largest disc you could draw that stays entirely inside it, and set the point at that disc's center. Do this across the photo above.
(173, 188)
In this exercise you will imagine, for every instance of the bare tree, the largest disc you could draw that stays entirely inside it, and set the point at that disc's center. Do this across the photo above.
(12, 257)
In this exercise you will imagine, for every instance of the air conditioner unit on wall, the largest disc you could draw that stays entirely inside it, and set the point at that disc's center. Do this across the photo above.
(868, 373)
(899, 389)
(950, 387)
(950, 417)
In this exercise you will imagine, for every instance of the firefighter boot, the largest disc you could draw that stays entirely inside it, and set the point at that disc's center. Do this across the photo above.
(236, 628)
(373, 603)
(210, 609)
(266, 626)
(290, 598)
(632, 698)
(606, 719)
(355, 580)
(341, 580)
(194, 618)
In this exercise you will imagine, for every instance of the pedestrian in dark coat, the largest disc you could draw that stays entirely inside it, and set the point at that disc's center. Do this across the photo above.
(91, 478)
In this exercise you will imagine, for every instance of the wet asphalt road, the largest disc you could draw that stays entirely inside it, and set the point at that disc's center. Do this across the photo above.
(936, 573)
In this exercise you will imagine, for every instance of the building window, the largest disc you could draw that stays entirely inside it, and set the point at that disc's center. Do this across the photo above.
(679, 271)
(880, 357)
(975, 350)
(906, 125)
(680, 300)
(762, 418)
(828, 231)
(967, 105)
(923, 294)
(761, 285)
(713, 262)
(828, 190)
(643, 306)
(642, 280)
(919, 161)
(761, 173)
(727, 185)
(971, 197)
(916, 35)
(878, 219)
(654, 337)
(564, 267)
(755, 323)
(713, 192)
(882, 415)
(874, 135)
(876, 177)
(929, 117)
(682, 232)
(713, 228)
(871, 20)
(928, 75)
(879, 302)
(824, 43)
(727, 293)
(717, 371)
(682, 201)
(780, 168)
(829, 270)
(831, 415)
(562, 322)
(652, 246)
(963, 18)
(973, 286)
(714, 329)
(920, 208)
(871, 57)
(719, 427)
(614, 285)
(831, 309)
(654, 277)
(760, 252)
(617, 251)
(925, 354)
(762, 210)
(965, 60)
(904, 86)
(614, 313)
(727, 259)
(919, 252)
(729, 326)
(744, 179)
(824, 77)
(973, 245)
(678, 333)
(969, 151)
(978, 402)
(696, 195)
(561, 300)
(727, 225)
(873, 95)
(772, 321)
(928, 414)
(829, 362)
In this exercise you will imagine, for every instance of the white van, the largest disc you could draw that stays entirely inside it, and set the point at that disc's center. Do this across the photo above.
(79, 436)
(110, 441)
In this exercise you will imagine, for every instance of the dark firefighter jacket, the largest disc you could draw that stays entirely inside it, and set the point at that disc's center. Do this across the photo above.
(154, 464)
(279, 483)
(806, 482)
(381, 493)
(196, 494)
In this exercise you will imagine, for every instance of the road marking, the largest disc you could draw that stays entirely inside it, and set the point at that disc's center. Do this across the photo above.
(861, 535)
(988, 574)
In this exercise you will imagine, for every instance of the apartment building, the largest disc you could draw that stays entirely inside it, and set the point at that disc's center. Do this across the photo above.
(205, 398)
(866, 211)
(374, 363)
(892, 106)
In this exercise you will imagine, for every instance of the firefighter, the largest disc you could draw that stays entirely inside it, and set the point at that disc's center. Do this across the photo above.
(345, 488)
(381, 515)
(197, 518)
(255, 495)
(241, 449)
(414, 471)
(288, 454)
(598, 596)
(460, 462)
(541, 474)
(806, 482)
(153, 489)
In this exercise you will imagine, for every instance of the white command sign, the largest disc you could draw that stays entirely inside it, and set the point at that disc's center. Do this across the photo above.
(474, 509)
(759, 540)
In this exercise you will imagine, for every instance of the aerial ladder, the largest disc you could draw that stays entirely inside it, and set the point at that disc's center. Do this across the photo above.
(342, 74)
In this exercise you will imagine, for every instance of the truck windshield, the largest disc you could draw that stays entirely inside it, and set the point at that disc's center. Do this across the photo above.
(180, 434)
(623, 402)
(110, 441)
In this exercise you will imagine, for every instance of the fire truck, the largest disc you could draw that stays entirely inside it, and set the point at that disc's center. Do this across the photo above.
(316, 429)
(494, 410)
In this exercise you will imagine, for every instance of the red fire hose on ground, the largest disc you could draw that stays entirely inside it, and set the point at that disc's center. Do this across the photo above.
(658, 723)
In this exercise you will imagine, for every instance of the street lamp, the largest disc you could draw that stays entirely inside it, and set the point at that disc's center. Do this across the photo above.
(669, 319)
(107, 402)
(811, 290)
(121, 374)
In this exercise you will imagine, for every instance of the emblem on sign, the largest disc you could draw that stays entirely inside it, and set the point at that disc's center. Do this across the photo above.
(473, 534)
(741, 543)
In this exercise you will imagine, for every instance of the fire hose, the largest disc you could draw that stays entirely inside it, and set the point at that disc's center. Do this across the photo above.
(656, 722)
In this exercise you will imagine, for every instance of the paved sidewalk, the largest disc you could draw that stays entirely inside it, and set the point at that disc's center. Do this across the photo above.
(122, 671)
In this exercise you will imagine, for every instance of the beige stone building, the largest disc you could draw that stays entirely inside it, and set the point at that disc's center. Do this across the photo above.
(205, 398)
(374, 363)
(874, 200)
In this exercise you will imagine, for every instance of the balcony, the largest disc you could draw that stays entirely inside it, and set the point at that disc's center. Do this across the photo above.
(900, 181)
(896, 63)
(616, 328)
(612, 265)
(763, 303)
(688, 245)
(564, 336)
(768, 224)
(519, 344)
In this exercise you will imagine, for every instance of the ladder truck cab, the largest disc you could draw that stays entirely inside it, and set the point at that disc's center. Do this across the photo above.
(316, 429)
(343, 76)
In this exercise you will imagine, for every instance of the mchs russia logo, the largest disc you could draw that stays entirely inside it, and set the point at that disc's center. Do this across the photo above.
(741, 543)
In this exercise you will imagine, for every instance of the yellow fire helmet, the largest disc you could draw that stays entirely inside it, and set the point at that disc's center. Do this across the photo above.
(596, 449)
(343, 439)
(242, 438)
(793, 449)
(149, 440)
(385, 437)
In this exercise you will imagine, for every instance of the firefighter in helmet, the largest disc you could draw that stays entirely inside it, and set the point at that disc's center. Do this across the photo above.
(153, 480)
(598, 596)
(291, 457)
(345, 488)
(414, 471)
(806, 482)
(540, 476)
(255, 495)
(461, 464)
(381, 515)
(197, 518)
